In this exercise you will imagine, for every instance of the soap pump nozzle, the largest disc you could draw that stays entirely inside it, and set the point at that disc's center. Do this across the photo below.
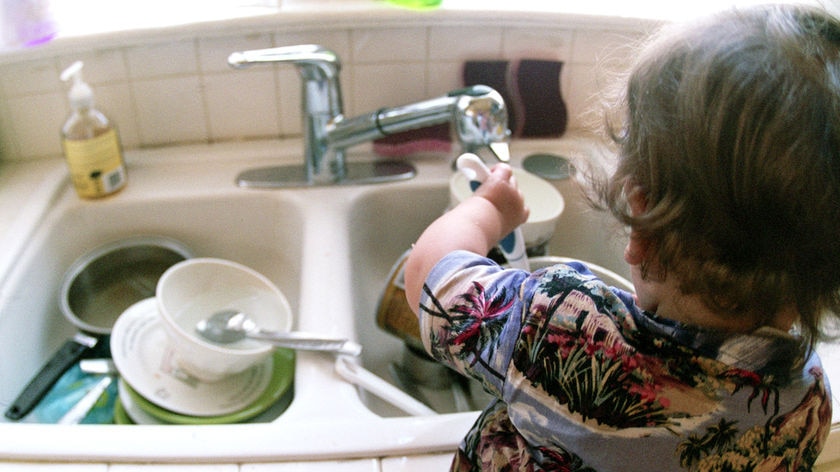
(80, 95)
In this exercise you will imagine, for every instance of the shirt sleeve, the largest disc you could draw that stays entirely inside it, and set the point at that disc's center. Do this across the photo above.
(470, 316)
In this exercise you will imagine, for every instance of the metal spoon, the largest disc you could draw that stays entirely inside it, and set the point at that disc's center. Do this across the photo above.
(229, 326)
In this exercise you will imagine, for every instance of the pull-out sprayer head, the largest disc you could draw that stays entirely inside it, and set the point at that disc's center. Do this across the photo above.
(481, 120)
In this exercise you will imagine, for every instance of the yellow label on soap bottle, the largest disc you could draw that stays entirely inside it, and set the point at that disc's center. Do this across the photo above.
(96, 164)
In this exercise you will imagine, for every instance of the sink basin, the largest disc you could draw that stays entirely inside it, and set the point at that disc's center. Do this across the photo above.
(387, 221)
(298, 238)
(260, 232)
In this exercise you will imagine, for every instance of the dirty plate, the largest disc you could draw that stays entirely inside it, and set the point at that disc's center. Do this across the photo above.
(271, 403)
(142, 354)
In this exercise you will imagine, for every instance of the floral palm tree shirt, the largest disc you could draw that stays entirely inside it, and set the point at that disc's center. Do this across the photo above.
(584, 380)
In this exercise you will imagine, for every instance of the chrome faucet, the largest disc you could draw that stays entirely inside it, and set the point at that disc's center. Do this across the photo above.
(478, 114)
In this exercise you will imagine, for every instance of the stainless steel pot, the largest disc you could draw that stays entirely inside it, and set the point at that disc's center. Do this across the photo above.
(96, 289)
(103, 283)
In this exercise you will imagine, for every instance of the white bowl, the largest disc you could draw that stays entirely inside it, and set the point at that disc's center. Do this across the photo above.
(543, 199)
(193, 290)
(609, 277)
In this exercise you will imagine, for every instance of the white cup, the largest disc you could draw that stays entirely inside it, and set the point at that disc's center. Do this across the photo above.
(195, 289)
(543, 199)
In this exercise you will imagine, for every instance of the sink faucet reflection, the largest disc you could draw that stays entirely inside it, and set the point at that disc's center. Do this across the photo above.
(478, 115)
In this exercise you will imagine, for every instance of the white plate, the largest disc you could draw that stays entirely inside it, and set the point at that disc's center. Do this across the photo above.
(132, 409)
(145, 360)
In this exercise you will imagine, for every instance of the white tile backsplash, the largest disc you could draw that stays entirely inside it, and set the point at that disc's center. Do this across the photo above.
(163, 90)
(462, 43)
(170, 110)
(584, 94)
(381, 85)
(36, 122)
(336, 40)
(400, 45)
(444, 77)
(30, 78)
(603, 46)
(289, 91)
(101, 66)
(537, 43)
(213, 52)
(162, 60)
(116, 101)
(242, 104)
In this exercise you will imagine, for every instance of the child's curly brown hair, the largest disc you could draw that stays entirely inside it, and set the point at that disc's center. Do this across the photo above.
(732, 131)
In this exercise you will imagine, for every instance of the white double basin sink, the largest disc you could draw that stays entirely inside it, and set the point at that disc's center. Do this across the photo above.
(328, 248)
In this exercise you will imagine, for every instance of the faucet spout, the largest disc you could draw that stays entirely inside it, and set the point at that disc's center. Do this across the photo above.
(478, 114)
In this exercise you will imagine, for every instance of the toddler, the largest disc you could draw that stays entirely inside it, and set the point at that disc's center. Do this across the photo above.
(728, 178)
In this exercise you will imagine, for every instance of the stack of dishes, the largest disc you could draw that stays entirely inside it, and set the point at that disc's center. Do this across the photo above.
(153, 390)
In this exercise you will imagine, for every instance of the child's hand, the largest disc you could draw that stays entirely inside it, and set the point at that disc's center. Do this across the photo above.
(502, 191)
(477, 224)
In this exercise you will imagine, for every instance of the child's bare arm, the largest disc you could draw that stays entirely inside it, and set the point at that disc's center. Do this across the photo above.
(476, 225)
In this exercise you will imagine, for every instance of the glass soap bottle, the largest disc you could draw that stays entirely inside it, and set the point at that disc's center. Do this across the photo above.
(90, 142)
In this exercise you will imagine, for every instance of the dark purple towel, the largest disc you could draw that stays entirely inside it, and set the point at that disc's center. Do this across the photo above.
(538, 84)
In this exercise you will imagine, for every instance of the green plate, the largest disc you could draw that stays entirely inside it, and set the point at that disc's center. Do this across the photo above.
(278, 385)
(120, 415)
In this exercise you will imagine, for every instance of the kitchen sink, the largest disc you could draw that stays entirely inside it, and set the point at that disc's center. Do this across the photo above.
(386, 221)
(263, 233)
(329, 249)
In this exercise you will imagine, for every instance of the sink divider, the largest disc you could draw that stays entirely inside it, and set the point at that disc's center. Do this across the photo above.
(325, 306)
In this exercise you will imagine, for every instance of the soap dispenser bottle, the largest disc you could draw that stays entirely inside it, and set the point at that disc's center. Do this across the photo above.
(90, 142)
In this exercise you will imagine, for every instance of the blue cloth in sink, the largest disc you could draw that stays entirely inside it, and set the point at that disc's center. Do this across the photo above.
(67, 391)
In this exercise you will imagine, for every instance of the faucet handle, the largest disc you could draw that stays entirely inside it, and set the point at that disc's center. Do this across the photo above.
(321, 101)
(481, 120)
(312, 59)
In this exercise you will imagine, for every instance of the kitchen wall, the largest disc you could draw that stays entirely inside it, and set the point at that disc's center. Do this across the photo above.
(172, 85)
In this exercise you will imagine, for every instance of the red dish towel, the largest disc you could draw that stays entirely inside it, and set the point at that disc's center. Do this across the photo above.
(435, 138)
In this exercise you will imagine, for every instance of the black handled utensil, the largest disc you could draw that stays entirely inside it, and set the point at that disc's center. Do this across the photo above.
(69, 353)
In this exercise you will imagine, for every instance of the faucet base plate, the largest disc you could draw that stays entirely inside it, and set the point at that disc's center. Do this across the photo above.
(358, 173)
